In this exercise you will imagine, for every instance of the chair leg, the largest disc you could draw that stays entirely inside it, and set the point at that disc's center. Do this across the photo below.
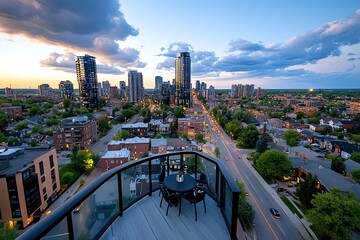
(180, 207)
(161, 200)
(204, 205)
(167, 210)
(195, 212)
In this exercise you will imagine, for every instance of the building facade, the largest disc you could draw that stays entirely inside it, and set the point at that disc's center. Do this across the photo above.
(112, 159)
(136, 87)
(66, 89)
(136, 129)
(86, 73)
(29, 182)
(78, 131)
(183, 95)
(137, 146)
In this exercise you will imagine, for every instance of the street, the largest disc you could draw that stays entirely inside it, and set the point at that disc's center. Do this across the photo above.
(261, 196)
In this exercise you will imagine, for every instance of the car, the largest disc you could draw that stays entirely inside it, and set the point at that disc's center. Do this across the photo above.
(275, 213)
(280, 189)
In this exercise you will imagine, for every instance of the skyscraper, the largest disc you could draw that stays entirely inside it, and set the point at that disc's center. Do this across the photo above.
(197, 85)
(106, 88)
(87, 79)
(158, 82)
(136, 88)
(183, 79)
(66, 89)
(122, 89)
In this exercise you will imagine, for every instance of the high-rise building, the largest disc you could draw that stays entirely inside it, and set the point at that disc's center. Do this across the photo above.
(9, 92)
(158, 82)
(211, 93)
(106, 88)
(66, 89)
(45, 90)
(100, 91)
(87, 78)
(197, 85)
(136, 88)
(183, 80)
(122, 89)
(113, 92)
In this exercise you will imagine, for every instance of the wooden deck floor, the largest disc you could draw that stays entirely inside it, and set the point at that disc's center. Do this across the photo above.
(146, 220)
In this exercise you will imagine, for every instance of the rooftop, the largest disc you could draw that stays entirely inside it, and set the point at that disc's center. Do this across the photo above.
(130, 140)
(123, 153)
(135, 125)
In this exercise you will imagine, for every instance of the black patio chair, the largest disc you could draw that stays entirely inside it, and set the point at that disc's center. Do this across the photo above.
(202, 181)
(197, 195)
(171, 198)
(161, 178)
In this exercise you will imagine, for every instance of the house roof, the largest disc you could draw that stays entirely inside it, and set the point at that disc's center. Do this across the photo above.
(305, 151)
(347, 147)
(158, 142)
(331, 179)
(123, 153)
(351, 165)
(297, 162)
(135, 125)
(130, 140)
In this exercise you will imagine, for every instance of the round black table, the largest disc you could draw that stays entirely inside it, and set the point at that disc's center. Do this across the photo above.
(185, 186)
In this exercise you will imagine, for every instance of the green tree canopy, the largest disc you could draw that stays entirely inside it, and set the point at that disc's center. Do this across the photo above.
(355, 156)
(217, 152)
(200, 138)
(261, 144)
(335, 215)
(21, 126)
(337, 164)
(233, 128)
(326, 130)
(273, 164)
(291, 137)
(104, 125)
(2, 137)
(8, 233)
(66, 103)
(190, 164)
(122, 135)
(51, 121)
(355, 138)
(356, 175)
(307, 190)
(248, 137)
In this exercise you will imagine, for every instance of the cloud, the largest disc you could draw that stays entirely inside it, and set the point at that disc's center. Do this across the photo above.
(66, 62)
(95, 27)
(272, 60)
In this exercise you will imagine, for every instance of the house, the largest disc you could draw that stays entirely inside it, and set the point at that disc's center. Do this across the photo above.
(170, 118)
(158, 146)
(138, 129)
(336, 124)
(112, 159)
(137, 146)
(192, 126)
(274, 123)
(350, 125)
(292, 124)
(158, 127)
(350, 166)
(344, 149)
(308, 111)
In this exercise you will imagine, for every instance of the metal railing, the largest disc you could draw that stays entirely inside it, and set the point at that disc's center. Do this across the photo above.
(90, 212)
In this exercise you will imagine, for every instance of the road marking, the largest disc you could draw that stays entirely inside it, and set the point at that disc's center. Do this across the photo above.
(280, 228)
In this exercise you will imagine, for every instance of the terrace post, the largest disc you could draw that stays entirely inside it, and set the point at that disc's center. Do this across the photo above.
(70, 226)
(121, 208)
(234, 215)
(150, 178)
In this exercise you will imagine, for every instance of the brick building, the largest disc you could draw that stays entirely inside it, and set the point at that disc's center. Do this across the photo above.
(29, 182)
(78, 131)
(12, 112)
(192, 126)
(139, 129)
(137, 146)
(308, 111)
(112, 159)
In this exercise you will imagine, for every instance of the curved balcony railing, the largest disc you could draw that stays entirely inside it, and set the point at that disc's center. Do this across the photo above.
(88, 213)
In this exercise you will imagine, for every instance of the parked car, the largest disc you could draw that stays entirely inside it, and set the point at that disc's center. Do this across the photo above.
(275, 213)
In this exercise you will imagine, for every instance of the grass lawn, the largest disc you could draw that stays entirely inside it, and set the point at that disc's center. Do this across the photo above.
(291, 206)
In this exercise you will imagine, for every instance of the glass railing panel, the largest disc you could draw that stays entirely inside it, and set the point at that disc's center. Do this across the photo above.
(59, 232)
(207, 172)
(91, 215)
(157, 166)
(174, 163)
(228, 202)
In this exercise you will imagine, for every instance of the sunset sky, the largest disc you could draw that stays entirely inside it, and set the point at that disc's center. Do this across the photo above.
(272, 44)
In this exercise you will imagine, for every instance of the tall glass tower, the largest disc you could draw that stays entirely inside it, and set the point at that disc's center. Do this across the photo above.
(183, 80)
(87, 79)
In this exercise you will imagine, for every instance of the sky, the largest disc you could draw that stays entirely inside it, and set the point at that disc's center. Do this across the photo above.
(272, 44)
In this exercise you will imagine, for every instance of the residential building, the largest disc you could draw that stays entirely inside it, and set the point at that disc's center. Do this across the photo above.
(211, 93)
(183, 80)
(113, 94)
(112, 159)
(197, 85)
(354, 107)
(139, 129)
(45, 90)
(106, 88)
(29, 182)
(158, 146)
(259, 92)
(158, 82)
(165, 93)
(137, 146)
(100, 90)
(122, 89)
(308, 111)
(87, 79)
(13, 112)
(334, 123)
(191, 126)
(158, 127)
(292, 124)
(77, 131)
(9, 92)
(136, 87)
(66, 89)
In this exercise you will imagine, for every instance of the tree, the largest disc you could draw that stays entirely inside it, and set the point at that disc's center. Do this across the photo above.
(51, 122)
(307, 190)
(291, 137)
(335, 215)
(179, 112)
(21, 126)
(9, 232)
(246, 213)
(233, 128)
(34, 110)
(300, 115)
(3, 120)
(200, 138)
(36, 129)
(145, 154)
(190, 164)
(66, 103)
(217, 152)
(355, 156)
(248, 137)
(356, 117)
(124, 134)
(356, 175)
(355, 138)
(158, 135)
(326, 130)
(2, 137)
(337, 164)
(184, 135)
(273, 164)
(104, 125)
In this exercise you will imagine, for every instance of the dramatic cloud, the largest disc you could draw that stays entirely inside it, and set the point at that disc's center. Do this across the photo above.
(273, 60)
(201, 61)
(95, 27)
(66, 62)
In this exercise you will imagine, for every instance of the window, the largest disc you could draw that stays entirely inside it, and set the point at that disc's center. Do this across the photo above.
(44, 190)
(42, 179)
(51, 158)
(41, 166)
(54, 186)
(45, 197)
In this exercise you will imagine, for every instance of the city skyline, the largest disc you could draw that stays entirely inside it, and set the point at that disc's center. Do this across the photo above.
(272, 45)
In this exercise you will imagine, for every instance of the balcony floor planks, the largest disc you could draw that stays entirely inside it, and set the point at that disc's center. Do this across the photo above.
(146, 220)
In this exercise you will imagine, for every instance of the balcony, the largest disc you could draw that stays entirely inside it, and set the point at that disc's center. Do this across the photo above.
(124, 203)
